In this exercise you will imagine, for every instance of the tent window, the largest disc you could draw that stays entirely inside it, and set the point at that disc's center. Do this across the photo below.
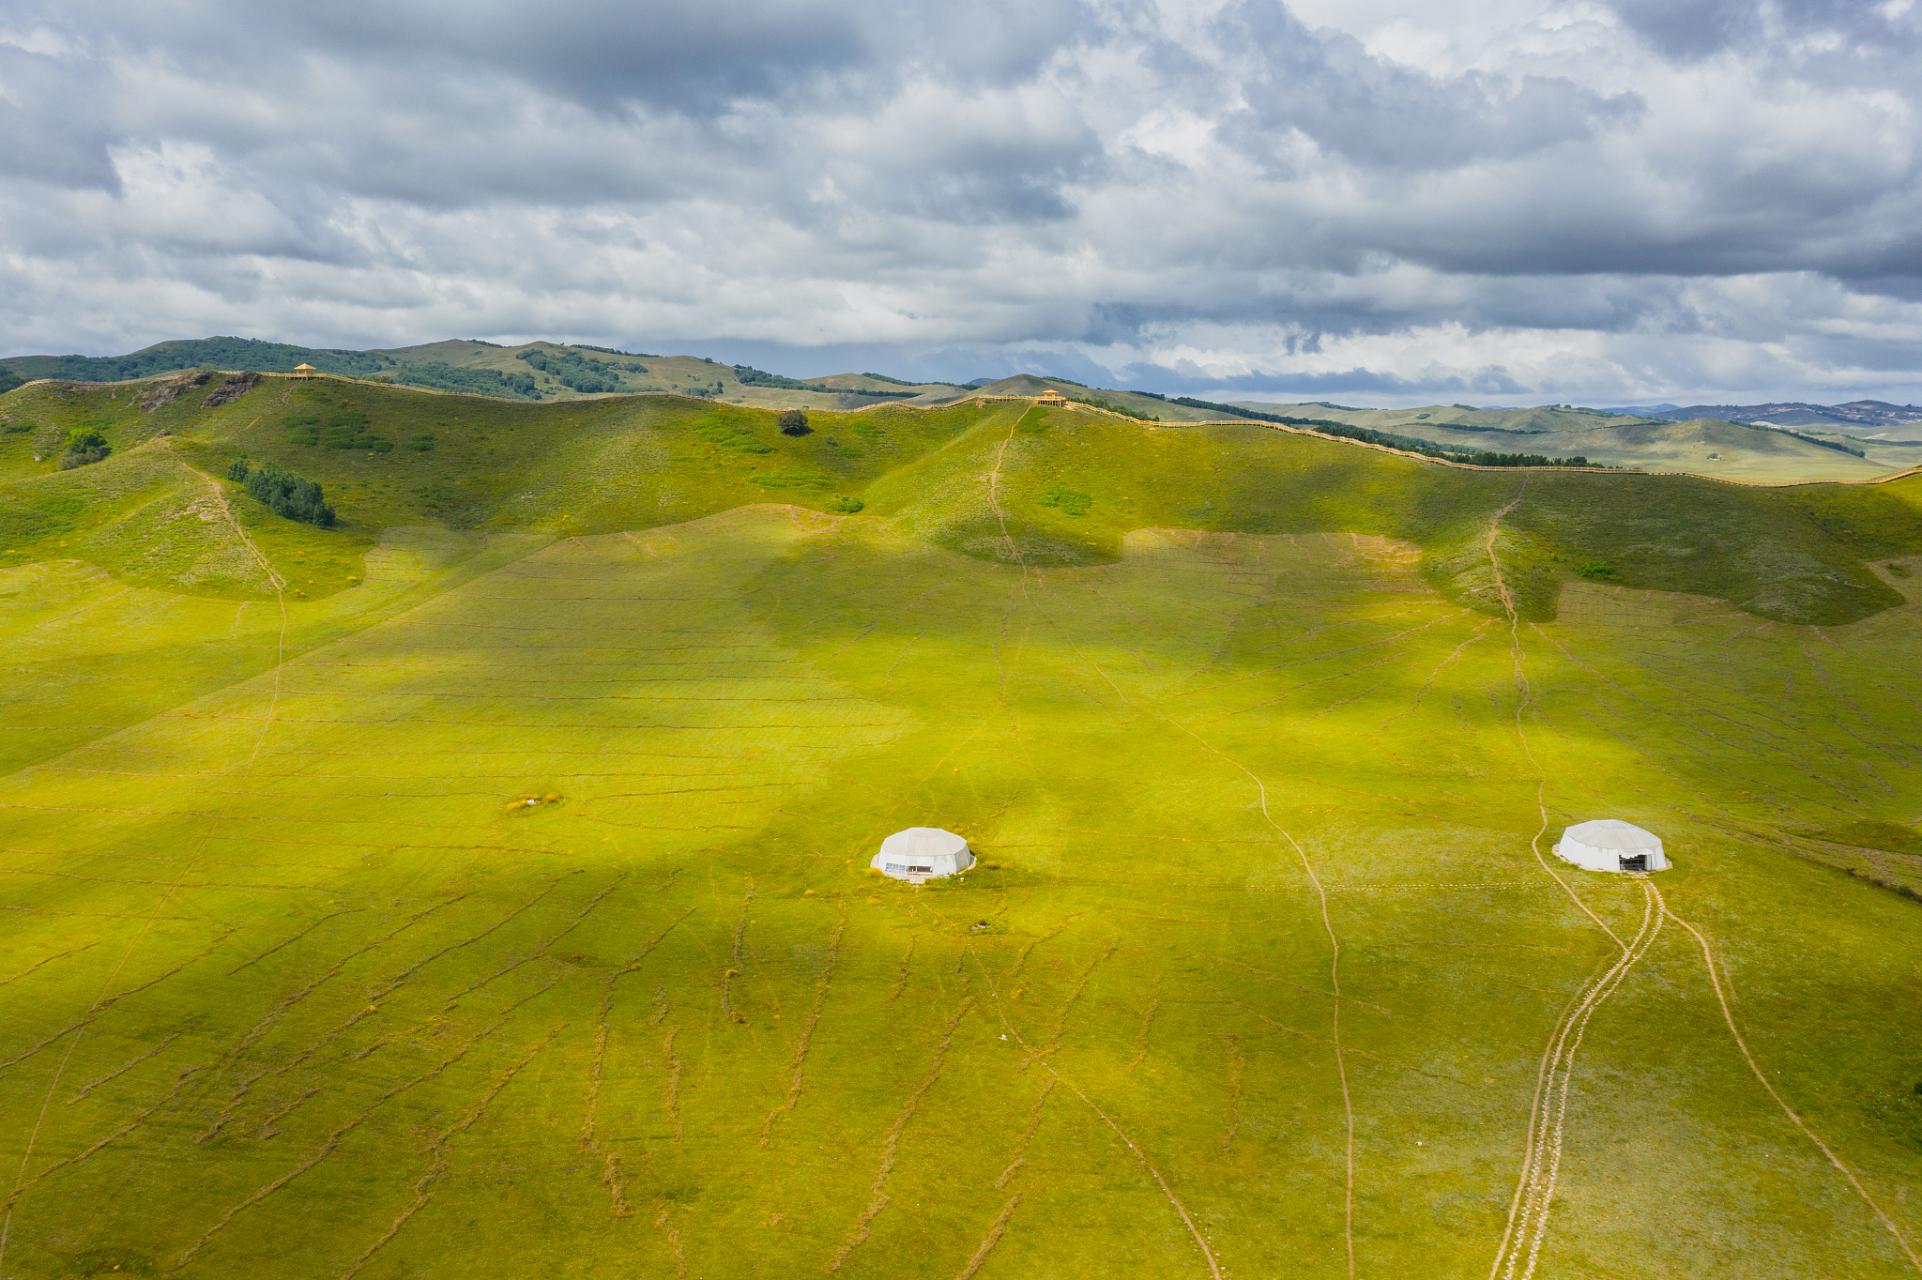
(895, 866)
(1637, 863)
(921, 871)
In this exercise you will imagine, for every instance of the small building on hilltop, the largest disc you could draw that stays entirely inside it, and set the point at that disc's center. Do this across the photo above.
(922, 853)
(1051, 397)
(304, 371)
(1609, 844)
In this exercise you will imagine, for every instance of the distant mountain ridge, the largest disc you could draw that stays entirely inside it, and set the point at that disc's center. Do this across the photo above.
(1857, 416)
(532, 371)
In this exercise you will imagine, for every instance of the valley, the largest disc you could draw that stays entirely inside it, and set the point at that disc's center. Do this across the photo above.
(1262, 737)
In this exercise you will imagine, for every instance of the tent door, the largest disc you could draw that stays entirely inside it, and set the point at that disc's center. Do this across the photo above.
(1637, 863)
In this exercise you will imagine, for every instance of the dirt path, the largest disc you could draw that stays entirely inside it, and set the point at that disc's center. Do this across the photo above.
(279, 585)
(1527, 1225)
(1728, 1016)
(994, 501)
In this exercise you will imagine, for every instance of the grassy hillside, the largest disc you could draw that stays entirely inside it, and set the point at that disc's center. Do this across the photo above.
(1067, 487)
(1262, 740)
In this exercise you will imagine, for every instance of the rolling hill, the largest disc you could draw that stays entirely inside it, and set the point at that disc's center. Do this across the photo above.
(480, 882)
(535, 371)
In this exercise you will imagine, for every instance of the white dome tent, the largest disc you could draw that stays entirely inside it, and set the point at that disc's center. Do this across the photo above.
(920, 853)
(1609, 844)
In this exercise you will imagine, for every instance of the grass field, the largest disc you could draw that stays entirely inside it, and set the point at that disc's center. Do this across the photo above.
(1261, 740)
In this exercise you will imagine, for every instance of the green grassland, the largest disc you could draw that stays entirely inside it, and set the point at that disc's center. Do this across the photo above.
(1261, 739)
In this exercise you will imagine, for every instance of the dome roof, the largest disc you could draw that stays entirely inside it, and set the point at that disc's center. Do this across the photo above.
(1612, 833)
(921, 843)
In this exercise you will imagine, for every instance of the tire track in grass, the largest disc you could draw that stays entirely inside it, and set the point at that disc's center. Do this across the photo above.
(119, 1071)
(1147, 1024)
(231, 1107)
(1728, 1016)
(334, 1139)
(1341, 1065)
(101, 1004)
(590, 1139)
(438, 1168)
(993, 1238)
(245, 964)
(890, 1145)
(1236, 1065)
(273, 1118)
(101, 1001)
(736, 952)
(180, 1083)
(799, 1063)
(1019, 1156)
(1543, 1157)
(673, 1242)
(1214, 1267)
(47, 960)
(671, 1089)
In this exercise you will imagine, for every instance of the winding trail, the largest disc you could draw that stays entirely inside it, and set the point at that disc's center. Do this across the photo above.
(1327, 923)
(1527, 1225)
(1728, 1016)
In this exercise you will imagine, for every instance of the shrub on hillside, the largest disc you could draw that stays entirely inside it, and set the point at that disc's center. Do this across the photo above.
(793, 423)
(421, 442)
(84, 445)
(1067, 501)
(349, 431)
(846, 506)
(237, 471)
(288, 494)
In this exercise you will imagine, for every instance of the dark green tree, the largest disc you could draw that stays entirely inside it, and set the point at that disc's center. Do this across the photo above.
(290, 495)
(793, 423)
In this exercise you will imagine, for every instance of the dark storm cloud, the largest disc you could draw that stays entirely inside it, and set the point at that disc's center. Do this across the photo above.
(1698, 28)
(1224, 195)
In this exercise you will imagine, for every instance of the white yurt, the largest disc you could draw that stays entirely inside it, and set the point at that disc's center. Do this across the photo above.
(1609, 844)
(920, 853)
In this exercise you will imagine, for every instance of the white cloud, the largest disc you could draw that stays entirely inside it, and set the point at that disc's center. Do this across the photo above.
(1601, 201)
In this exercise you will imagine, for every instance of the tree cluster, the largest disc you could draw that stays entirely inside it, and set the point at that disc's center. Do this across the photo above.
(474, 382)
(84, 445)
(289, 495)
(219, 353)
(584, 374)
(748, 376)
(793, 423)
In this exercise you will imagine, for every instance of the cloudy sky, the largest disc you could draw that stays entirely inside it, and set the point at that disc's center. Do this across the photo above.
(1376, 201)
